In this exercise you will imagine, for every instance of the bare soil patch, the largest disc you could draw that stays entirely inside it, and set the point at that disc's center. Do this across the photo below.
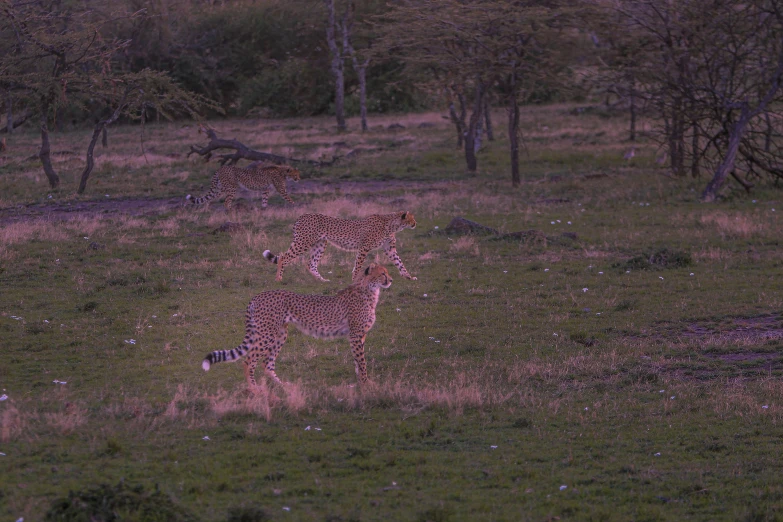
(156, 206)
(734, 347)
(743, 329)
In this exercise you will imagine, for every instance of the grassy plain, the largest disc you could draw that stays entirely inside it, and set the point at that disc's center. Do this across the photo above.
(632, 373)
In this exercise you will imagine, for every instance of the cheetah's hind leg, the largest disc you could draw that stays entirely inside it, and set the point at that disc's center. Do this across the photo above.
(315, 257)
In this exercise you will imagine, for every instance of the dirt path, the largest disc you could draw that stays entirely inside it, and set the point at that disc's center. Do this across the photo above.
(154, 206)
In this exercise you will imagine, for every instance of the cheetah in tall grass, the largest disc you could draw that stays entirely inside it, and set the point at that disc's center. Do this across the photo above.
(350, 313)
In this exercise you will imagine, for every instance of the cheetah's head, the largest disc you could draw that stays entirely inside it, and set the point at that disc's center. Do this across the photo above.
(292, 173)
(406, 220)
(376, 276)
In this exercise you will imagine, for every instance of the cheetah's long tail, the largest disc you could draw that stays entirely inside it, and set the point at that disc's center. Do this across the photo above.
(209, 196)
(223, 356)
(271, 257)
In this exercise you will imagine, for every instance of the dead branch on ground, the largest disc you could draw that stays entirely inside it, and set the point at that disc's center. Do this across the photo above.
(242, 151)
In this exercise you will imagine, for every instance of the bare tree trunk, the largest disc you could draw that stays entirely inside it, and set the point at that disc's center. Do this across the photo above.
(100, 130)
(9, 114)
(463, 113)
(488, 119)
(20, 119)
(632, 95)
(456, 122)
(768, 133)
(457, 119)
(727, 165)
(361, 70)
(513, 136)
(676, 135)
(45, 153)
(470, 134)
(337, 68)
(695, 151)
(478, 135)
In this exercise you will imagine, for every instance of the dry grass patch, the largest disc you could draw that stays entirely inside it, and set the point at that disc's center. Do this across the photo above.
(734, 225)
(12, 422)
(136, 161)
(167, 227)
(67, 421)
(713, 254)
(465, 244)
(260, 402)
(592, 364)
(249, 242)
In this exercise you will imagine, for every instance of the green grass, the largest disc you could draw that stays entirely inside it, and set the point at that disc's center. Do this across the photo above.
(507, 381)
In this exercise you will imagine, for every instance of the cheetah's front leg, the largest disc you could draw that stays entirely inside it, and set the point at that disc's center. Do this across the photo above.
(280, 186)
(391, 251)
(357, 350)
(271, 352)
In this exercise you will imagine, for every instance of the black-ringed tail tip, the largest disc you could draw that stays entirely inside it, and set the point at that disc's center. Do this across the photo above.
(270, 256)
(205, 364)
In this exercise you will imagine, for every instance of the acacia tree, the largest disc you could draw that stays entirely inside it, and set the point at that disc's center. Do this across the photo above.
(437, 40)
(619, 54)
(472, 47)
(59, 58)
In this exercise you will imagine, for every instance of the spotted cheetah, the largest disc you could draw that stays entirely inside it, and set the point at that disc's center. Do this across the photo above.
(313, 231)
(350, 313)
(226, 180)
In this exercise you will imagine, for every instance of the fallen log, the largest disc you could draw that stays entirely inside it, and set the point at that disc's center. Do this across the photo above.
(242, 151)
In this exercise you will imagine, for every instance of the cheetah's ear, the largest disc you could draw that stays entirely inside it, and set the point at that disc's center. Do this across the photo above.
(367, 271)
(403, 214)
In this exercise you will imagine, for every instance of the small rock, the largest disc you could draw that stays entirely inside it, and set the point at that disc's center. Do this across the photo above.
(460, 225)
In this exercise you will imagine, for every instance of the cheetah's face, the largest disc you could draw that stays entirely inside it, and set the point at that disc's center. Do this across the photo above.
(407, 220)
(293, 174)
(376, 276)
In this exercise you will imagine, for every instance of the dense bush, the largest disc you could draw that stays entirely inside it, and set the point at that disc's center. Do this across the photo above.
(267, 58)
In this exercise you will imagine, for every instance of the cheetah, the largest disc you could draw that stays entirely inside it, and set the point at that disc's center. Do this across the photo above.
(350, 313)
(226, 179)
(313, 231)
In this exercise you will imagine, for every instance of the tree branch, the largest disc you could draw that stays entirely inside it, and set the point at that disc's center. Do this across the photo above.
(244, 152)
